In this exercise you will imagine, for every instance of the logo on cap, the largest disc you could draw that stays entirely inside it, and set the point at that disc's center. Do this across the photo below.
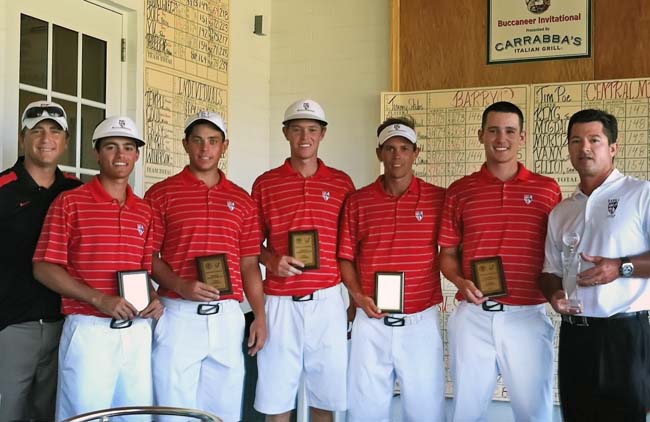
(204, 114)
(122, 123)
(231, 205)
(306, 106)
(397, 126)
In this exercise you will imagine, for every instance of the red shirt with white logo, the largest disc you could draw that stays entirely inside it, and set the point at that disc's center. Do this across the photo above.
(488, 217)
(286, 202)
(92, 237)
(193, 220)
(384, 233)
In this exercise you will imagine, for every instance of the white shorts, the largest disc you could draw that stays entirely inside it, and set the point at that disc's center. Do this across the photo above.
(198, 361)
(518, 344)
(304, 338)
(411, 353)
(101, 367)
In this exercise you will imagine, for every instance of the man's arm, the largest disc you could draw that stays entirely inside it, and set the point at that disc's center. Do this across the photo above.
(351, 281)
(606, 270)
(551, 287)
(56, 278)
(451, 267)
(189, 290)
(254, 289)
(280, 265)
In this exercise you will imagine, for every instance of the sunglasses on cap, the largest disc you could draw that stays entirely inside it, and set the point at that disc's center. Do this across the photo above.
(52, 111)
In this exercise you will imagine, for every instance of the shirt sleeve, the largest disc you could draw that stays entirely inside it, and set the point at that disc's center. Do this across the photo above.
(52, 244)
(552, 254)
(451, 226)
(348, 229)
(251, 236)
(256, 194)
(154, 200)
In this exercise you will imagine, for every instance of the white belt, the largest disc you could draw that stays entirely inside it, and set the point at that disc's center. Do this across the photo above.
(191, 307)
(315, 295)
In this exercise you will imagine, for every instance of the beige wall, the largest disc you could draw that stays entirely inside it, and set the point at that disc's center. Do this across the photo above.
(336, 52)
(249, 84)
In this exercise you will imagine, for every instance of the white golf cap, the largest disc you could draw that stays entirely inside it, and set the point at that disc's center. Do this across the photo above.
(42, 110)
(305, 109)
(207, 116)
(394, 130)
(117, 126)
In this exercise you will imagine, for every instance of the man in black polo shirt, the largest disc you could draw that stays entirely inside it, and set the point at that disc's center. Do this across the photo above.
(30, 318)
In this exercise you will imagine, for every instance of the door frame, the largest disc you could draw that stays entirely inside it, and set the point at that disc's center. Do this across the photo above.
(132, 71)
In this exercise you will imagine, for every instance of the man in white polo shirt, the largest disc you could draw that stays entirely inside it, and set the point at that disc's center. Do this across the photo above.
(604, 353)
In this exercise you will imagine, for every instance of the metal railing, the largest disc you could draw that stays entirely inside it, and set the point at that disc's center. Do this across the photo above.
(106, 414)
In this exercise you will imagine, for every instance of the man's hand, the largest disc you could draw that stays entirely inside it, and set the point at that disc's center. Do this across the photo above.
(284, 266)
(605, 270)
(154, 310)
(469, 290)
(115, 306)
(368, 305)
(257, 336)
(560, 304)
(198, 292)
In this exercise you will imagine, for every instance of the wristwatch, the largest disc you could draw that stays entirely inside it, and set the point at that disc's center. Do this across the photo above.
(627, 268)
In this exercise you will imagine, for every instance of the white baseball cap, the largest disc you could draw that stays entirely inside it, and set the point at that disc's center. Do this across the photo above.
(117, 126)
(394, 130)
(207, 116)
(305, 109)
(42, 110)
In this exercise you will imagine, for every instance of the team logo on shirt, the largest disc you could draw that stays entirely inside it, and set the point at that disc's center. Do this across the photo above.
(419, 215)
(528, 198)
(326, 195)
(140, 229)
(231, 205)
(612, 204)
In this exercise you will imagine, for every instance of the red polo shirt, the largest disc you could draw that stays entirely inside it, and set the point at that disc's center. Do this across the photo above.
(386, 233)
(92, 237)
(193, 220)
(488, 217)
(287, 201)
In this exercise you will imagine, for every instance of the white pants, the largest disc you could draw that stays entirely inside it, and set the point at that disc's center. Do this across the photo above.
(518, 344)
(411, 353)
(101, 367)
(197, 359)
(304, 339)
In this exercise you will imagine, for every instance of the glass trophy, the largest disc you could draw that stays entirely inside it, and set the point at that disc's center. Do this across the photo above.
(571, 268)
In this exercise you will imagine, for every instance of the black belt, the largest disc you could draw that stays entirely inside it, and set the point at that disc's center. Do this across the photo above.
(305, 298)
(584, 321)
(49, 319)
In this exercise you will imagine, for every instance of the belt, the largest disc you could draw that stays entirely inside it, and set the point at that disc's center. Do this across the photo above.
(585, 321)
(315, 295)
(400, 320)
(191, 307)
(51, 319)
(494, 306)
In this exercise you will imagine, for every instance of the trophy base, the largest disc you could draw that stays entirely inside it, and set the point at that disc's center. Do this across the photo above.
(574, 306)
